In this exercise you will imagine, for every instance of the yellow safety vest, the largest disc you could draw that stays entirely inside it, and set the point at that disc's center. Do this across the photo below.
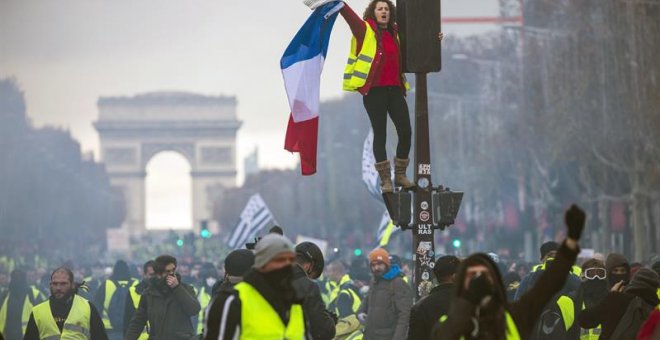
(204, 299)
(76, 325)
(359, 63)
(575, 270)
(27, 309)
(260, 321)
(590, 333)
(343, 289)
(511, 328)
(110, 289)
(567, 308)
(135, 297)
(326, 296)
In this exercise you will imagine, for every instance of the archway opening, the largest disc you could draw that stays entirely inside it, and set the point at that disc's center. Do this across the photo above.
(168, 192)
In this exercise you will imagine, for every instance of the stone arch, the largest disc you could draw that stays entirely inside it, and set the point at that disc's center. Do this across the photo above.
(201, 128)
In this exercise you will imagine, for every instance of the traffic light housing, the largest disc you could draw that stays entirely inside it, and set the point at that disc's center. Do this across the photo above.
(445, 207)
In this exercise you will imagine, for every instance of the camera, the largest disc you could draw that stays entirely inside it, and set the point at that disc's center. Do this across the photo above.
(251, 245)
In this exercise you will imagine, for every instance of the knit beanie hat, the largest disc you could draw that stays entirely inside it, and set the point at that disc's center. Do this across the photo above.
(616, 260)
(270, 246)
(644, 284)
(379, 254)
(548, 247)
(238, 262)
(646, 278)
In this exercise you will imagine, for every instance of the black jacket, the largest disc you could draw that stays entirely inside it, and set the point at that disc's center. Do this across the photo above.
(168, 312)
(317, 319)
(61, 311)
(228, 301)
(129, 306)
(524, 312)
(427, 311)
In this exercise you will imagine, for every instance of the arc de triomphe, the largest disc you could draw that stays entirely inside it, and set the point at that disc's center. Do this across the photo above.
(202, 129)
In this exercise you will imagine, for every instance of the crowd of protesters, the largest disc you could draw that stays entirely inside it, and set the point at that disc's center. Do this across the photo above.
(280, 290)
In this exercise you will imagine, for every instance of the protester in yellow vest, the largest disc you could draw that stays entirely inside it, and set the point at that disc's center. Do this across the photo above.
(265, 304)
(344, 300)
(16, 305)
(208, 276)
(65, 315)
(480, 308)
(374, 70)
(593, 289)
(113, 313)
(134, 296)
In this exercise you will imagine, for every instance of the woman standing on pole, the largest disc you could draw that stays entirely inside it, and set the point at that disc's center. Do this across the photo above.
(374, 70)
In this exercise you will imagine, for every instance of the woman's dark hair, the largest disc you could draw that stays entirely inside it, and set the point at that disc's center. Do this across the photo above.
(371, 8)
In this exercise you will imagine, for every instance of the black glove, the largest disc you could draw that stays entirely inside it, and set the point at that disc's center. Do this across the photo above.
(574, 219)
(478, 289)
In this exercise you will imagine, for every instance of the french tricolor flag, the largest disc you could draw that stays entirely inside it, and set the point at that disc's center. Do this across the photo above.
(301, 65)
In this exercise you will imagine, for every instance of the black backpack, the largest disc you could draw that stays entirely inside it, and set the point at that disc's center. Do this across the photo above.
(632, 320)
(117, 303)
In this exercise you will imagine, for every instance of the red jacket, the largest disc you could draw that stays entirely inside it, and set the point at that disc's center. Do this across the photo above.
(359, 29)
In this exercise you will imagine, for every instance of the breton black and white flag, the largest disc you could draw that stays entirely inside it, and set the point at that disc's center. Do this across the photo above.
(254, 218)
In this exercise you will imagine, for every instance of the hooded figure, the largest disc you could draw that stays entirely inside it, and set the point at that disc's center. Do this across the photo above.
(610, 311)
(16, 305)
(618, 269)
(480, 309)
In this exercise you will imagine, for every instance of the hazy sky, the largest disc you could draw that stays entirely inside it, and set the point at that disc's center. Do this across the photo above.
(67, 53)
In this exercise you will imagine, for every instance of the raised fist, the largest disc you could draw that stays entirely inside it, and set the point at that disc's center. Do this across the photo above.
(574, 219)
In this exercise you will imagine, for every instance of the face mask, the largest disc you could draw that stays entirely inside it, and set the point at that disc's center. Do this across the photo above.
(615, 278)
(280, 278)
(210, 281)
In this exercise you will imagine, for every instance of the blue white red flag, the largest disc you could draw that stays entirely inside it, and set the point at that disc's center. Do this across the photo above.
(301, 66)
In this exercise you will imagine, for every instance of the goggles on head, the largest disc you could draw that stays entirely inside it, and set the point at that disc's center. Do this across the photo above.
(593, 273)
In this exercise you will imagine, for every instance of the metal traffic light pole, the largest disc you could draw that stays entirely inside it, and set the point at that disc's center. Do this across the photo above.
(426, 208)
(423, 245)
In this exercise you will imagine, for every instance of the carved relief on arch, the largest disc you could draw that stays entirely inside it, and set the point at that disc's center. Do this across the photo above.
(187, 150)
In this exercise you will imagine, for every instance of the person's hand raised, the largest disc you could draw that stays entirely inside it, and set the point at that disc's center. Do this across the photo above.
(575, 219)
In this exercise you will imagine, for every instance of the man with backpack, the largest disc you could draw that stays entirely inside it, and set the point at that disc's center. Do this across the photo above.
(110, 299)
(623, 311)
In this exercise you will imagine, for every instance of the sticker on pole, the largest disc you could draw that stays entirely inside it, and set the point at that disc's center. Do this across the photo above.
(424, 205)
(424, 216)
(424, 169)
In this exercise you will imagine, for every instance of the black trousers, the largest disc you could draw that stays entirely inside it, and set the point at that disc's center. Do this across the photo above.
(379, 102)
